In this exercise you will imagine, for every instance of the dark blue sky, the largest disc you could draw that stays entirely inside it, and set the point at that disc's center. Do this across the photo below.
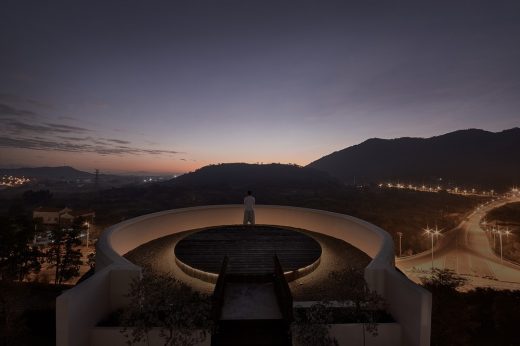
(171, 86)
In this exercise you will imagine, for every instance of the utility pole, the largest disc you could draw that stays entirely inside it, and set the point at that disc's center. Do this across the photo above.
(432, 251)
(400, 234)
(501, 256)
(96, 179)
(88, 232)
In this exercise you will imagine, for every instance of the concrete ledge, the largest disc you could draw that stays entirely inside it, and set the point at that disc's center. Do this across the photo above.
(102, 336)
(301, 272)
(127, 235)
(196, 273)
(355, 334)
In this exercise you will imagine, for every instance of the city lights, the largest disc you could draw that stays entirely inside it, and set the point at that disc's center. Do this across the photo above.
(11, 181)
(439, 188)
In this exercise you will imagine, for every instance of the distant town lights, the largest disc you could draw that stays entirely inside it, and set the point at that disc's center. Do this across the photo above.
(12, 181)
(438, 188)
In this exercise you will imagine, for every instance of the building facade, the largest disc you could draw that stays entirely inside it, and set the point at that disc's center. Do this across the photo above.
(62, 216)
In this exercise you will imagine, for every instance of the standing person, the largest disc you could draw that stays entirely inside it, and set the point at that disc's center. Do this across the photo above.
(249, 209)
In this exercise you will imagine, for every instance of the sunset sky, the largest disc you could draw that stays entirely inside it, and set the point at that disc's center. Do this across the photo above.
(169, 86)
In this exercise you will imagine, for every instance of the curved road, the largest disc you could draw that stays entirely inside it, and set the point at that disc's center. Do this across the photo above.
(467, 251)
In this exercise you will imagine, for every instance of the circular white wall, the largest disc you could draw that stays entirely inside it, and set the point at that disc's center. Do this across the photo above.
(127, 235)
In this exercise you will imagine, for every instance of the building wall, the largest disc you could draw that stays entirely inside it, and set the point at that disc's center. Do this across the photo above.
(48, 217)
(62, 217)
(408, 303)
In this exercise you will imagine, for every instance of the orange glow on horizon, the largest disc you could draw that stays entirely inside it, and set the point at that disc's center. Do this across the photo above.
(128, 164)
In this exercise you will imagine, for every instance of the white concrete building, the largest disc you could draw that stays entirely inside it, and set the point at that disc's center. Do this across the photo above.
(80, 309)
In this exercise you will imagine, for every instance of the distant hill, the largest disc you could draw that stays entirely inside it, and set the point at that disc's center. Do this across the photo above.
(54, 173)
(466, 157)
(254, 176)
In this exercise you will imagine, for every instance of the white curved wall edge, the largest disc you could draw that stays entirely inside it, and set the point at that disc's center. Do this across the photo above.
(408, 303)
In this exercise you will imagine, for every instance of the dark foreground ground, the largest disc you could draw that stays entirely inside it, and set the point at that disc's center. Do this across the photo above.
(27, 313)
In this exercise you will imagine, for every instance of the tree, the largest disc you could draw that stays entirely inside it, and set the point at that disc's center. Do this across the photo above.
(63, 254)
(311, 326)
(91, 260)
(355, 303)
(368, 305)
(158, 300)
(37, 197)
(10, 329)
(18, 258)
(453, 320)
(443, 280)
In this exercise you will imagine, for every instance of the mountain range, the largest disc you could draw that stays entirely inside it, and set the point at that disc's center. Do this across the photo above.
(467, 157)
(54, 173)
(470, 158)
(257, 176)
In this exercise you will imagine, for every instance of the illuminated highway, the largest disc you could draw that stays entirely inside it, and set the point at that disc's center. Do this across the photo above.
(467, 251)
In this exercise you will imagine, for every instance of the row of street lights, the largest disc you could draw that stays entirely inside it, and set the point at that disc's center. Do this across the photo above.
(500, 232)
(496, 230)
(438, 188)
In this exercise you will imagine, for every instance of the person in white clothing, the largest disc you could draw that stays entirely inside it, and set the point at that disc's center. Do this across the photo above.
(249, 209)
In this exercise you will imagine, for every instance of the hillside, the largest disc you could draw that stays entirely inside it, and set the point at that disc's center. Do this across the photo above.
(54, 173)
(245, 177)
(473, 158)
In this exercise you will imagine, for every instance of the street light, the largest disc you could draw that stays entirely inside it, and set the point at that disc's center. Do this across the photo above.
(400, 234)
(437, 232)
(500, 237)
(507, 233)
(88, 231)
(432, 233)
(494, 237)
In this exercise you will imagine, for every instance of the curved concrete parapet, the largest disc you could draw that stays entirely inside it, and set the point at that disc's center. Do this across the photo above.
(127, 235)
(408, 303)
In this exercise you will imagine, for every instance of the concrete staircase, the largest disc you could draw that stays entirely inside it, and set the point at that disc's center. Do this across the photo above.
(252, 309)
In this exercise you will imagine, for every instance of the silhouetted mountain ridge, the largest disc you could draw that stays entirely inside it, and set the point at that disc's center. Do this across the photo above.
(55, 173)
(254, 176)
(466, 157)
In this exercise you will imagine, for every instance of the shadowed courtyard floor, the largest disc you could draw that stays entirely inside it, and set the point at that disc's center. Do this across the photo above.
(336, 255)
(250, 249)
